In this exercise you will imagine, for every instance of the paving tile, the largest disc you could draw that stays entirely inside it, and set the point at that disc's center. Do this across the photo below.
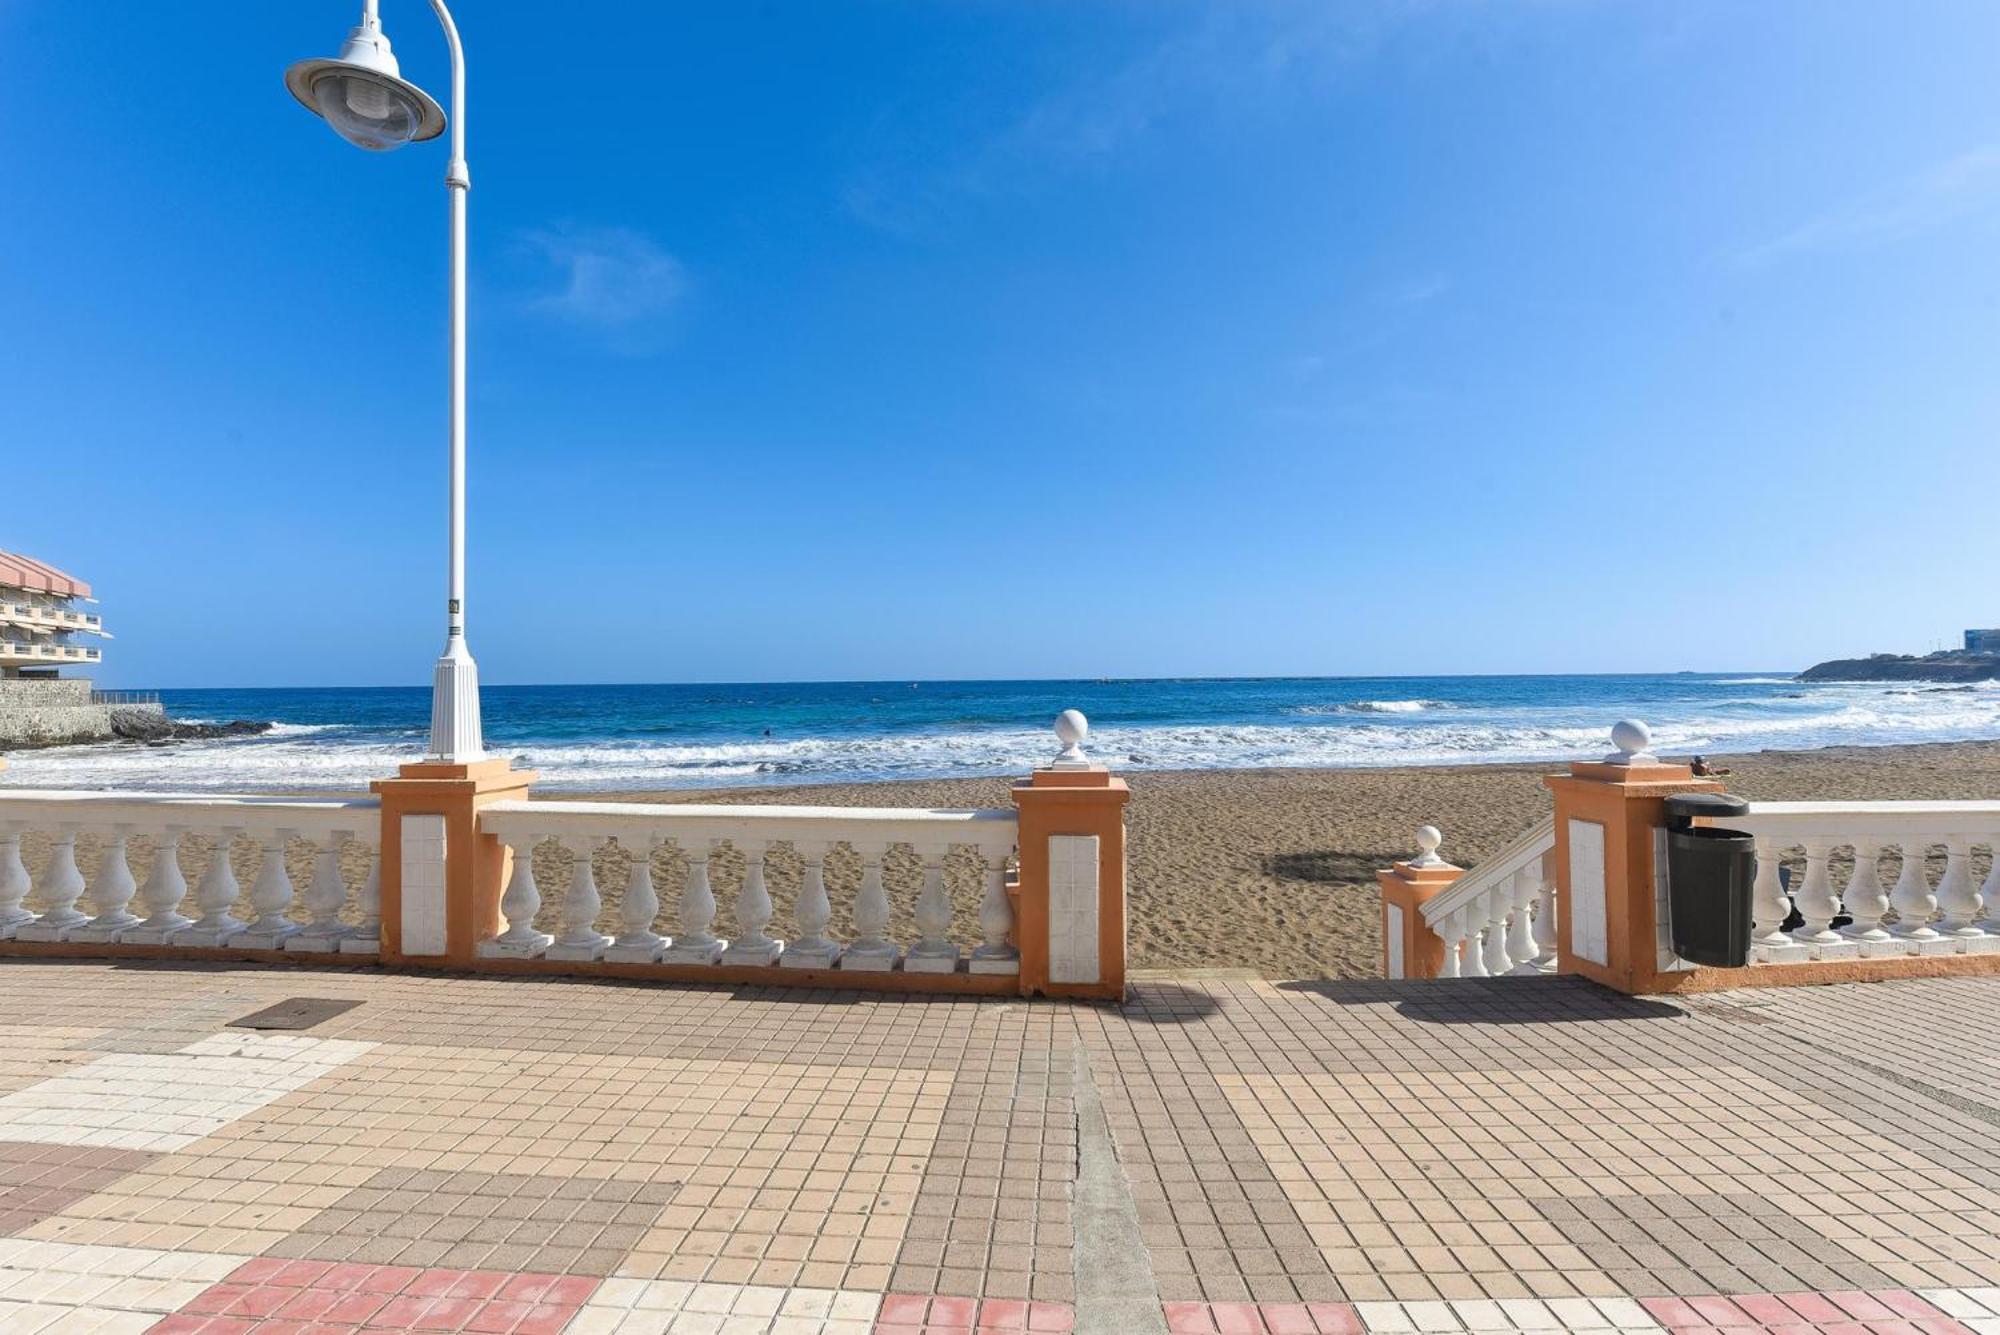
(167, 1101)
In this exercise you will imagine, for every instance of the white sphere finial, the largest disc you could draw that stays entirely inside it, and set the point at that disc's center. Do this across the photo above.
(1428, 840)
(1631, 737)
(1071, 728)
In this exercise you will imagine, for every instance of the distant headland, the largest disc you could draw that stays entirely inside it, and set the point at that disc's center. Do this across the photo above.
(1978, 660)
(1951, 665)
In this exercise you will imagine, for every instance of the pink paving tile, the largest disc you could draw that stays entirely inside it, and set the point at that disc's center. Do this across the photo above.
(953, 1311)
(1056, 1318)
(1336, 1318)
(299, 1274)
(1189, 1319)
(1722, 1312)
(1002, 1314)
(1288, 1319)
(1673, 1313)
(902, 1309)
(215, 1298)
(396, 1278)
(1237, 1318)
(353, 1309)
(258, 1270)
(1812, 1307)
(1860, 1306)
(1941, 1325)
(1766, 1308)
(479, 1284)
(545, 1319)
(1905, 1303)
(448, 1314)
(400, 1313)
(496, 1317)
(434, 1283)
(309, 1304)
(181, 1323)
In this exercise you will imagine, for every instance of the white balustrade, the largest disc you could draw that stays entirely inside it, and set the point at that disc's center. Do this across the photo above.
(283, 918)
(752, 832)
(1910, 918)
(1496, 920)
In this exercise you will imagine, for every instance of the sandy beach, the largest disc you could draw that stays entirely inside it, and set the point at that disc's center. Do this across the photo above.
(1267, 870)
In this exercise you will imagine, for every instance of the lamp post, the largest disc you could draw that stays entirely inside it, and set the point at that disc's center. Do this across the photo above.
(361, 93)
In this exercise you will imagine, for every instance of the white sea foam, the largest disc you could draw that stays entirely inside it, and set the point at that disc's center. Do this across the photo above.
(324, 757)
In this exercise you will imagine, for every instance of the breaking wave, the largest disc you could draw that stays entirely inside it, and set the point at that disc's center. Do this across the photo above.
(584, 739)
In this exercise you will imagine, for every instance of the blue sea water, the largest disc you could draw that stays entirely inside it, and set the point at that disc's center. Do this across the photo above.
(637, 737)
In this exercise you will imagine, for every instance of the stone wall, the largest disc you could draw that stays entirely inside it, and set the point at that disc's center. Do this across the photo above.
(54, 711)
(42, 692)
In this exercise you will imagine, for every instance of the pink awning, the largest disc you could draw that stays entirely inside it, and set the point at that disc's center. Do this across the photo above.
(25, 572)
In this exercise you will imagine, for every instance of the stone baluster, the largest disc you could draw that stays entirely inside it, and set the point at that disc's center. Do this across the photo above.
(1911, 895)
(638, 943)
(519, 903)
(697, 943)
(1545, 917)
(871, 951)
(1867, 901)
(1815, 900)
(367, 938)
(1521, 949)
(812, 949)
(62, 886)
(1472, 957)
(111, 892)
(753, 911)
(996, 921)
(578, 937)
(215, 895)
(1768, 905)
(325, 897)
(1989, 890)
(1957, 897)
(161, 895)
(271, 895)
(1455, 946)
(935, 951)
(14, 884)
(1494, 904)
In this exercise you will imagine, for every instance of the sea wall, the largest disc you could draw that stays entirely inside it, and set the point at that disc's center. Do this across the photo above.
(56, 711)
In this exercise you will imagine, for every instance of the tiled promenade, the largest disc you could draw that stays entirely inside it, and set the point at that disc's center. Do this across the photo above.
(494, 1155)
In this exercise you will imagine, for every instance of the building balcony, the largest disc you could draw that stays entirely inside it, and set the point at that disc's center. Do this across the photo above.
(61, 618)
(16, 651)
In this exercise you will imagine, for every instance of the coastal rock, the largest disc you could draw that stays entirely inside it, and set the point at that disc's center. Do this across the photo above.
(1948, 665)
(139, 725)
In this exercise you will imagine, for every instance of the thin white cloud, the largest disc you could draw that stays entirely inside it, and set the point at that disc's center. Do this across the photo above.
(1956, 188)
(608, 280)
(1236, 60)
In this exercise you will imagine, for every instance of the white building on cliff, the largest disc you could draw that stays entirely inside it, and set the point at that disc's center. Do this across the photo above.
(41, 631)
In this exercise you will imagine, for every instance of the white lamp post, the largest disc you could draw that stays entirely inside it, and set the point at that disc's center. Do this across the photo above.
(361, 93)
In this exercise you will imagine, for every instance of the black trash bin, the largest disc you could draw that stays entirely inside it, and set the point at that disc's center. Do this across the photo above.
(1709, 873)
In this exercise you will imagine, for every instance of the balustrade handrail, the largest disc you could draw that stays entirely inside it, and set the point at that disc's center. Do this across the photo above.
(1844, 820)
(109, 810)
(1525, 849)
(986, 828)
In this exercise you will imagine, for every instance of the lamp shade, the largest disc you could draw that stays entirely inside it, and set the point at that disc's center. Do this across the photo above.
(363, 95)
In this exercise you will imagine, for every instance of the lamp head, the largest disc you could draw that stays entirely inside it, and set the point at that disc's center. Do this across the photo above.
(362, 94)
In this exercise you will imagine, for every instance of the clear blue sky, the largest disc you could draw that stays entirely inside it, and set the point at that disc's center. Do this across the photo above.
(834, 340)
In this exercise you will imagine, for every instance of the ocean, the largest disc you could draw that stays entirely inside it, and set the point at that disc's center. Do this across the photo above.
(585, 738)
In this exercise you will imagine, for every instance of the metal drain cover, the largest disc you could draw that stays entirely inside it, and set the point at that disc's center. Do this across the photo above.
(295, 1013)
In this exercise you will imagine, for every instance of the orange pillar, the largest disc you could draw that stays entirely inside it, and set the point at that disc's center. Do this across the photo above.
(441, 878)
(1070, 923)
(1610, 819)
(1410, 949)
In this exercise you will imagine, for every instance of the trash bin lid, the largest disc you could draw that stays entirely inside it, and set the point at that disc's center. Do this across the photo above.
(1687, 806)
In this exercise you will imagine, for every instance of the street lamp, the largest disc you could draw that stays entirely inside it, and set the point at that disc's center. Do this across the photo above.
(362, 94)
